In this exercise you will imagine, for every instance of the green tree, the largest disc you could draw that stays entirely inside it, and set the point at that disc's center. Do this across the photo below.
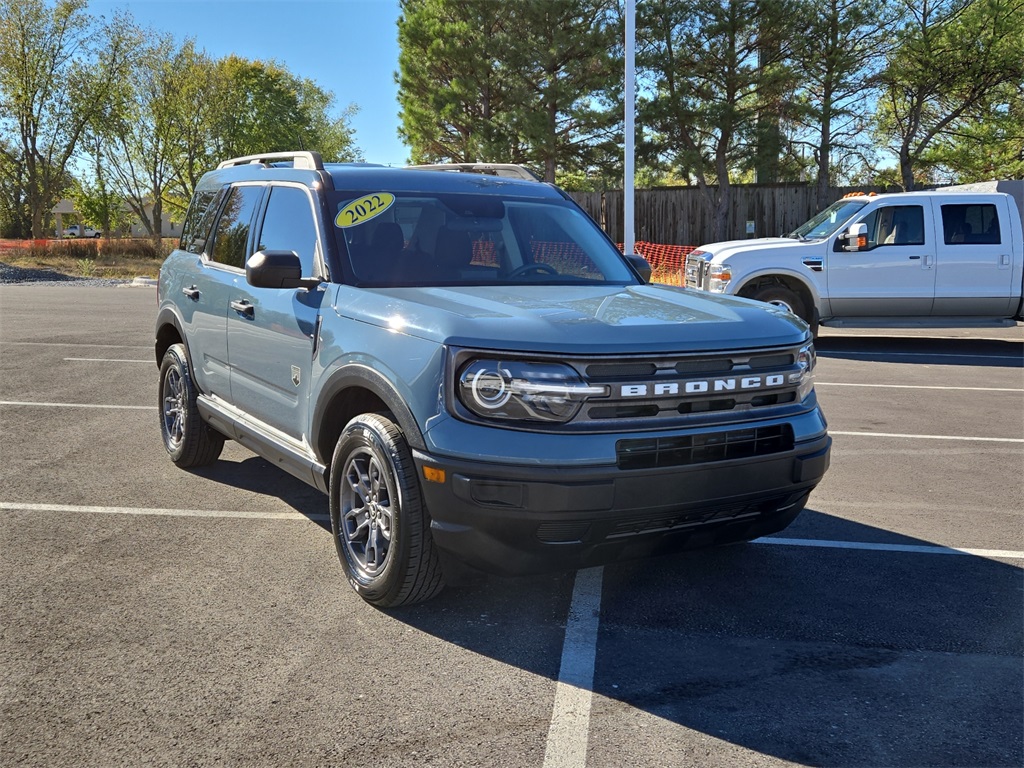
(838, 56)
(265, 108)
(710, 67)
(952, 56)
(527, 81)
(987, 145)
(57, 67)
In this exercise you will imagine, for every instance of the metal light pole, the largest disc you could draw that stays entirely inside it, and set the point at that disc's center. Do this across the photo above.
(629, 242)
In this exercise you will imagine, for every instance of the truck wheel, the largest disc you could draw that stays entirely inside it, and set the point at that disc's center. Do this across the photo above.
(187, 438)
(381, 528)
(781, 296)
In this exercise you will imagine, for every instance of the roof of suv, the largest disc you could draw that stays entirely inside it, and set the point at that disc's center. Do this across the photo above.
(462, 178)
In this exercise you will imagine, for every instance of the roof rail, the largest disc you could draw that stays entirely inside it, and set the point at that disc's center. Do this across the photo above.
(308, 160)
(507, 170)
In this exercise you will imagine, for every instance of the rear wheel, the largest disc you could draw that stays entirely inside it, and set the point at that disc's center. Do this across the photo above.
(381, 528)
(187, 438)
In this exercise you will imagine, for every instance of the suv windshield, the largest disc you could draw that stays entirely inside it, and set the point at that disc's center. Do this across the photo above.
(422, 238)
(828, 221)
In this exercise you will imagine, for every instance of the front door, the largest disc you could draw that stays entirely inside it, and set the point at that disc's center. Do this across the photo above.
(272, 332)
(895, 275)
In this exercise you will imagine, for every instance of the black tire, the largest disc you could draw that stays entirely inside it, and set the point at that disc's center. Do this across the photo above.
(189, 441)
(380, 526)
(781, 296)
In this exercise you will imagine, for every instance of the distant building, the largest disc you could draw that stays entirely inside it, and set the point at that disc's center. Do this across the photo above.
(64, 215)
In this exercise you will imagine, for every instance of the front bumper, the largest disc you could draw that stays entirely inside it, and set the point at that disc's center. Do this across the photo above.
(515, 520)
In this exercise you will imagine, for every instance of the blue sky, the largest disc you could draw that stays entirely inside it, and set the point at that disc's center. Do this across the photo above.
(349, 47)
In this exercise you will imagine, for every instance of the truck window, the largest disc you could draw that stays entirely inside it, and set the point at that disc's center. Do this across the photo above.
(895, 225)
(971, 224)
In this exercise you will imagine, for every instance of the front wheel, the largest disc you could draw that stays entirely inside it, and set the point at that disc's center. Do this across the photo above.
(187, 438)
(381, 528)
(781, 296)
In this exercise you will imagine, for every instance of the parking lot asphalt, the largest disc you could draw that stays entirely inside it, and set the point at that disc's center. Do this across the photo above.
(150, 615)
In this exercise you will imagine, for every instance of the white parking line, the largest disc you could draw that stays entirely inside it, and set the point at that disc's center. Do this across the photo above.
(73, 344)
(916, 386)
(78, 405)
(841, 352)
(159, 512)
(917, 549)
(104, 360)
(570, 718)
(930, 437)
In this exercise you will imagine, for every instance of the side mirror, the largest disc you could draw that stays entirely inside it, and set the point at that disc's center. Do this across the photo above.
(639, 263)
(277, 269)
(856, 238)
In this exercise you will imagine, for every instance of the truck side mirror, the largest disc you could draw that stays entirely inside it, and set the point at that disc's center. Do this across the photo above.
(641, 265)
(856, 238)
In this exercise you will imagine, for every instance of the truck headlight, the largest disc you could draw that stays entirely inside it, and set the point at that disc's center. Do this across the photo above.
(719, 276)
(519, 390)
(804, 375)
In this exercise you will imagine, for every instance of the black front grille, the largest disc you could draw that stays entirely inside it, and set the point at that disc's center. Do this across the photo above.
(649, 453)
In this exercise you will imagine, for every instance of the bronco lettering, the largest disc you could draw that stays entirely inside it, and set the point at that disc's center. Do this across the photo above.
(666, 388)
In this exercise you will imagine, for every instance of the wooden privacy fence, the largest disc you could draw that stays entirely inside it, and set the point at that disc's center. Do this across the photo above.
(678, 215)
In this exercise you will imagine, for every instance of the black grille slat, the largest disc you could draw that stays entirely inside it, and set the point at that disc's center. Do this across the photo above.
(650, 453)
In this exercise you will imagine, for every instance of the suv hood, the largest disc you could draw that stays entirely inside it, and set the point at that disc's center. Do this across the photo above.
(574, 319)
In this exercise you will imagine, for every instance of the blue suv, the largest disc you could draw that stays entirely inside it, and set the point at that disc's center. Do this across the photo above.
(474, 375)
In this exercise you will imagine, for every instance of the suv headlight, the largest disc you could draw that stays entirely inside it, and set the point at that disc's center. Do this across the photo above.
(719, 276)
(804, 375)
(519, 390)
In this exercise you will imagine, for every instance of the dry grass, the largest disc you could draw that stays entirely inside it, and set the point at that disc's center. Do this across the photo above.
(116, 259)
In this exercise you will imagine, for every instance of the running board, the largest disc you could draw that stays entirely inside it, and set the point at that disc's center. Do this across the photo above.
(278, 449)
(919, 322)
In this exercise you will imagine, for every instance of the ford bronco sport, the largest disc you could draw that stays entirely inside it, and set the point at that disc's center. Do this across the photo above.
(471, 371)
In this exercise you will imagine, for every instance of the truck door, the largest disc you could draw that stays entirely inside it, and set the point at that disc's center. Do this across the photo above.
(974, 269)
(272, 331)
(894, 275)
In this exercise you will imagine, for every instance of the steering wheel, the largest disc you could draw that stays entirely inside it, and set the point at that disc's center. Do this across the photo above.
(526, 269)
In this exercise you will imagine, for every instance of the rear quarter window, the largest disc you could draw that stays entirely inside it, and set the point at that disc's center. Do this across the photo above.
(195, 231)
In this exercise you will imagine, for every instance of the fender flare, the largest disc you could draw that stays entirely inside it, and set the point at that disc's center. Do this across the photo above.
(168, 315)
(357, 375)
(787, 273)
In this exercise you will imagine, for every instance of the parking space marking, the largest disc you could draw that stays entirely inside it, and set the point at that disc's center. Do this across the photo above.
(23, 403)
(104, 360)
(570, 718)
(916, 386)
(159, 512)
(839, 353)
(73, 344)
(918, 549)
(930, 437)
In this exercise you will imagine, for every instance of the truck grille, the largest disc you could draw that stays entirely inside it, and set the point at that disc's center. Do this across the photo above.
(693, 273)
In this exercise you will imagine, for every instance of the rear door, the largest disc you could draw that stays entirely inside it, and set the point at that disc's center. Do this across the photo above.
(272, 332)
(974, 271)
(895, 275)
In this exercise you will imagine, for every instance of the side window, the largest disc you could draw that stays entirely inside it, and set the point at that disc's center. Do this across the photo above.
(971, 224)
(232, 234)
(289, 226)
(196, 229)
(895, 225)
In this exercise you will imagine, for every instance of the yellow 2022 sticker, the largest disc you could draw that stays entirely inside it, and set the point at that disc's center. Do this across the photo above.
(362, 210)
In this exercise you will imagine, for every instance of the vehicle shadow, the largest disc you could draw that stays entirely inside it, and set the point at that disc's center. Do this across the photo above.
(809, 655)
(991, 353)
(256, 475)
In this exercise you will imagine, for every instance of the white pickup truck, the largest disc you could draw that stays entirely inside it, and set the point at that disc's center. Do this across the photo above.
(952, 257)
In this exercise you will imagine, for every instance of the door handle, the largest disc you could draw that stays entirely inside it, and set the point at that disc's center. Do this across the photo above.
(192, 292)
(244, 308)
